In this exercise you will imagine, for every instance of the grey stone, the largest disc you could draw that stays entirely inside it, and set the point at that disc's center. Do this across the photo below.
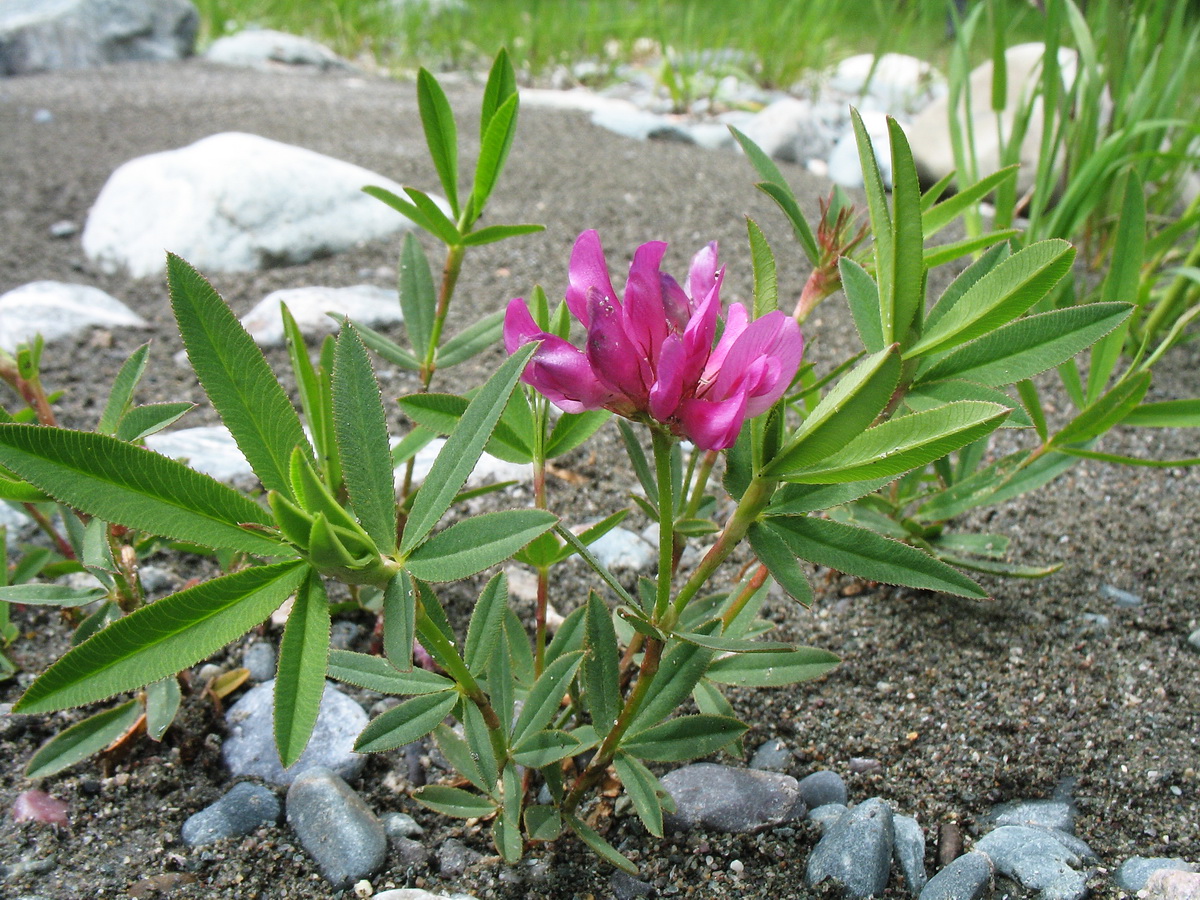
(52, 35)
(965, 878)
(909, 852)
(454, 857)
(1168, 884)
(250, 747)
(155, 579)
(364, 304)
(229, 203)
(343, 634)
(1194, 639)
(1035, 857)
(259, 658)
(856, 851)
(15, 521)
(626, 887)
(64, 228)
(822, 787)
(626, 119)
(772, 756)
(245, 808)
(418, 893)
(265, 48)
(335, 826)
(1057, 814)
(725, 798)
(777, 128)
(624, 550)
(410, 854)
(1133, 874)
(55, 310)
(1070, 885)
(827, 814)
(208, 448)
(398, 824)
(1121, 598)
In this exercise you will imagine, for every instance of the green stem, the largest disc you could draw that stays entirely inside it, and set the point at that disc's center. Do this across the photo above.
(1165, 312)
(701, 482)
(450, 271)
(666, 522)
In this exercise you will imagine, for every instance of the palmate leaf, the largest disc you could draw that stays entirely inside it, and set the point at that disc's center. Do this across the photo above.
(236, 377)
(300, 681)
(1029, 346)
(83, 739)
(856, 551)
(473, 544)
(899, 445)
(881, 224)
(362, 438)
(163, 638)
(134, 487)
(599, 845)
(462, 450)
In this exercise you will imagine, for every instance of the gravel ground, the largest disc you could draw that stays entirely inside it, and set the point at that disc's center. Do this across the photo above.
(963, 704)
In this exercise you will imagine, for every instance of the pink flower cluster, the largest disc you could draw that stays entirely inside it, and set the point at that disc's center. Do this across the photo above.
(656, 352)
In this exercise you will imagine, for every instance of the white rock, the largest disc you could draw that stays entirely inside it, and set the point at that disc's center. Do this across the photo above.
(362, 303)
(49, 35)
(845, 168)
(898, 84)
(234, 202)
(778, 127)
(625, 550)
(56, 310)
(14, 520)
(489, 470)
(930, 134)
(628, 120)
(265, 48)
(419, 894)
(209, 449)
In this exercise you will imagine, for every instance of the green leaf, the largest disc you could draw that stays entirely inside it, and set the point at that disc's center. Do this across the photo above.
(418, 298)
(472, 340)
(683, 738)
(999, 297)
(1109, 409)
(799, 499)
(376, 674)
(441, 136)
(141, 421)
(971, 491)
(940, 254)
(405, 208)
(501, 84)
(506, 829)
(385, 347)
(1130, 460)
(163, 698)
(16, 491)
(473, 544)
(542, 823)
(572, 429)
(842, 414)
(120, 398)
(315, 397)
(599, 845)
(483, 752)
(1003, 569)
(773, 669)
(433, 219)
(908, 264)
(134, 487)
(163, 638)
(724, 644)
(545, 747)
(967, 279)
(643, 789)
(601, 678)
(865, 554)
(933, 394)
(442, 412)
(1030, 345)
(454, 802)
(494, 145)
(781, 563)
(1165, 414)
(681, 668)
(50, 594)
(408, 722)
(775, 187)
(300, 681)
(863, 296)
(399, 621)
(462, 450)
(938, 217)
(83, 739)
(493, 233)
(362, 438)
(487, 624)
(545, 695)
(766, 284)
(236, 377)
(1121, 282)
(881, 225)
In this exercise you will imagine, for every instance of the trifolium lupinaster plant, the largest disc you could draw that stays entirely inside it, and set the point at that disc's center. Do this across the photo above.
(535, 719)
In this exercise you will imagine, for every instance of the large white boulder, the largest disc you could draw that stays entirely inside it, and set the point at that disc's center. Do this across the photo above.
(234, 203)
(897, 84)
(48, 35)
(365, 304)
(930, 133)
(265, 48)
(55, 310)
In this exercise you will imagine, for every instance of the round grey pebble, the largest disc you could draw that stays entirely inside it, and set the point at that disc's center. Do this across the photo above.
(1057, 814)
(823, 787)
(1035, 857)
(909, 852)
(410, 854)
(398, 824)
(965, 878)
(725, 798)
(1194, 640)
(626, 887)
(155, 579)
(1119, 597)
(856, 851)
(259, 658)
(454, 857)
(343, 635)
(772, 756)
(335, 826)
(246, 807)
(863, 765)
(1135, 871)
(826, 814)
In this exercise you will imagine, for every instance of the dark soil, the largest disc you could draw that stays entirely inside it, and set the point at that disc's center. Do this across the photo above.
(964, 704)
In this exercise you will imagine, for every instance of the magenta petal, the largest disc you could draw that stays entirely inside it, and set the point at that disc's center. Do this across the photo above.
(562, 374)
(645, 317)
(613, 357)
(713, 424)
(775, 338)
(676, 305)
(588, 269)
(668, 388)
(735, 324)
(703, 273)
(519, 326)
